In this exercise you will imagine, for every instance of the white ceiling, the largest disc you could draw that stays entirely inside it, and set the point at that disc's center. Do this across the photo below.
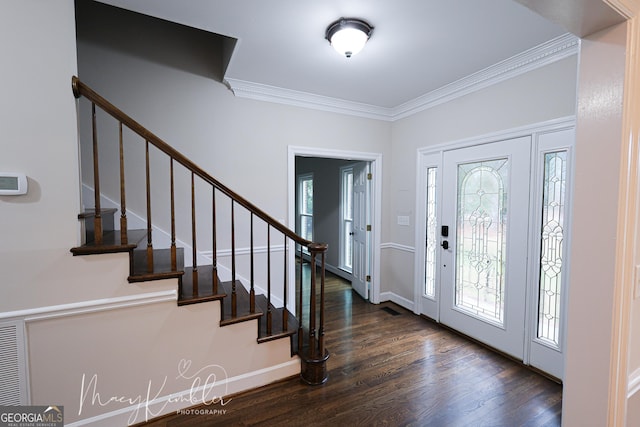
(417, 46)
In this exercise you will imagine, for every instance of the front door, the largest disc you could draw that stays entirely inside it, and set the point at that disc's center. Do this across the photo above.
(484, 242)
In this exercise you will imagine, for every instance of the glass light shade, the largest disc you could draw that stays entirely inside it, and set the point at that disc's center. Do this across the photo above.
(349, 41)
(348, 35)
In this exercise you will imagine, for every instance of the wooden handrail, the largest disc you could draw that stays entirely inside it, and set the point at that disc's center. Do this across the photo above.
(310, 342)
(81, 89)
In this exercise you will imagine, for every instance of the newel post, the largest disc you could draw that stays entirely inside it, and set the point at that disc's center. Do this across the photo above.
(314, 356)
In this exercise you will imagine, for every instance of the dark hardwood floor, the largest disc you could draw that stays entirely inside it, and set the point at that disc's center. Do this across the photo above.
(389, 367)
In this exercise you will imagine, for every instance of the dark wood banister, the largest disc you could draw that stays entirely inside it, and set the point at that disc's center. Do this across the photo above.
(314, 361)
(81, 89)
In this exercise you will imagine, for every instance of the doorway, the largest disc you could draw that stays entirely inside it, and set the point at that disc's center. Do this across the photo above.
(494, 218)
(366, 259)
(332, 206)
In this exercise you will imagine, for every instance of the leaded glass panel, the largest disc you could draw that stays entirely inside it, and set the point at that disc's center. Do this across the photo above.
(431, 237)
(481, 238)
(551, 244)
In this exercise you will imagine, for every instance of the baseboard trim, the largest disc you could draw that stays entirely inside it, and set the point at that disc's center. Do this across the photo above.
(397, 299)
(188, 398)
(331, 268)
(90, 306)
(339, 272)
(398, 247)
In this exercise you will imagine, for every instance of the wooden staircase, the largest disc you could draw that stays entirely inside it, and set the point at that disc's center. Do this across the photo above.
(209, 287)
(201, 283)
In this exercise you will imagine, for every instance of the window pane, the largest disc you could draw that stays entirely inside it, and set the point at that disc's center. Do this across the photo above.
(431, 238)
(551, 239)
(307, 197)
(481, 238)
(347, 219)
(348, 244)
(306, 226)
(348, 195)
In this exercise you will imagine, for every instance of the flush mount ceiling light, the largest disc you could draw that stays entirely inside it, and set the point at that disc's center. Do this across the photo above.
(348, 35)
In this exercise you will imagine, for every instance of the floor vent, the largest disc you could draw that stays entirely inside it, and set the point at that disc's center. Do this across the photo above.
(12, 364)
(390, 310)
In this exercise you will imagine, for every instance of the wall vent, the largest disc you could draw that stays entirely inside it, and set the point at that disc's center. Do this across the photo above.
(13, 378)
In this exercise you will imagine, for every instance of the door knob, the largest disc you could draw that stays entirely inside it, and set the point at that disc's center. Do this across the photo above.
(445, 244)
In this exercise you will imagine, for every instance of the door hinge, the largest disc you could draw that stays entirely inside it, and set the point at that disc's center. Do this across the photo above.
(369, 176)
(368, 279)
(368, 228)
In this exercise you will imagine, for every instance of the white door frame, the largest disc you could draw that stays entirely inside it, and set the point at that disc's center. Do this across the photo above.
(375, 160)
(532, 130)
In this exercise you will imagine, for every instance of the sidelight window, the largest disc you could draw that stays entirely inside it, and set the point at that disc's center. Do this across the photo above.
(551, 246)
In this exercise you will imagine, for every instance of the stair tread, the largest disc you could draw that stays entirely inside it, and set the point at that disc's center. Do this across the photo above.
(277, 330)
(111, 243)
(243, 305)
(90, 213)
(136, 245)
(161, 265)
(205, 286)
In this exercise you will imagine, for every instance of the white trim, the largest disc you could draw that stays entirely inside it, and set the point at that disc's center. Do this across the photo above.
(533, 131)
(633, 383)
(188, 398)
(90, 306)
(262, 92)
(339, 272)
(427, 305)
(222, 253)
(397, 299)
(398, 247)
(526, 130)
(225, 273)
(546, 53)
(330, 268)
(376, 169)
(161, 238)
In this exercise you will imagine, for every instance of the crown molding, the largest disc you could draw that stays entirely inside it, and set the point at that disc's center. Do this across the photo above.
(546, 53)
(262, 92)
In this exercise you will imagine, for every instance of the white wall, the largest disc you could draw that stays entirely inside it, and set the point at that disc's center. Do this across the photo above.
(38, 121)
(593, 246)
(40, 138)
(540, 95)
(241, 142)
(77, 310)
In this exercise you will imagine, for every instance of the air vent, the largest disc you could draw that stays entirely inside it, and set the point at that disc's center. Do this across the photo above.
(13, 381)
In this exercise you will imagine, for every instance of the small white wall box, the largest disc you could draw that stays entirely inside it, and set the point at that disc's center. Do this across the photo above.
(12, 184)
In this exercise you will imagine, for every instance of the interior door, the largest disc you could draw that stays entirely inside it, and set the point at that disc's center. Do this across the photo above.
(360, 268)
(485, 204)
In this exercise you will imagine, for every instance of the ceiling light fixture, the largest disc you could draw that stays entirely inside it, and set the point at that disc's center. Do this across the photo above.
(348, 35)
